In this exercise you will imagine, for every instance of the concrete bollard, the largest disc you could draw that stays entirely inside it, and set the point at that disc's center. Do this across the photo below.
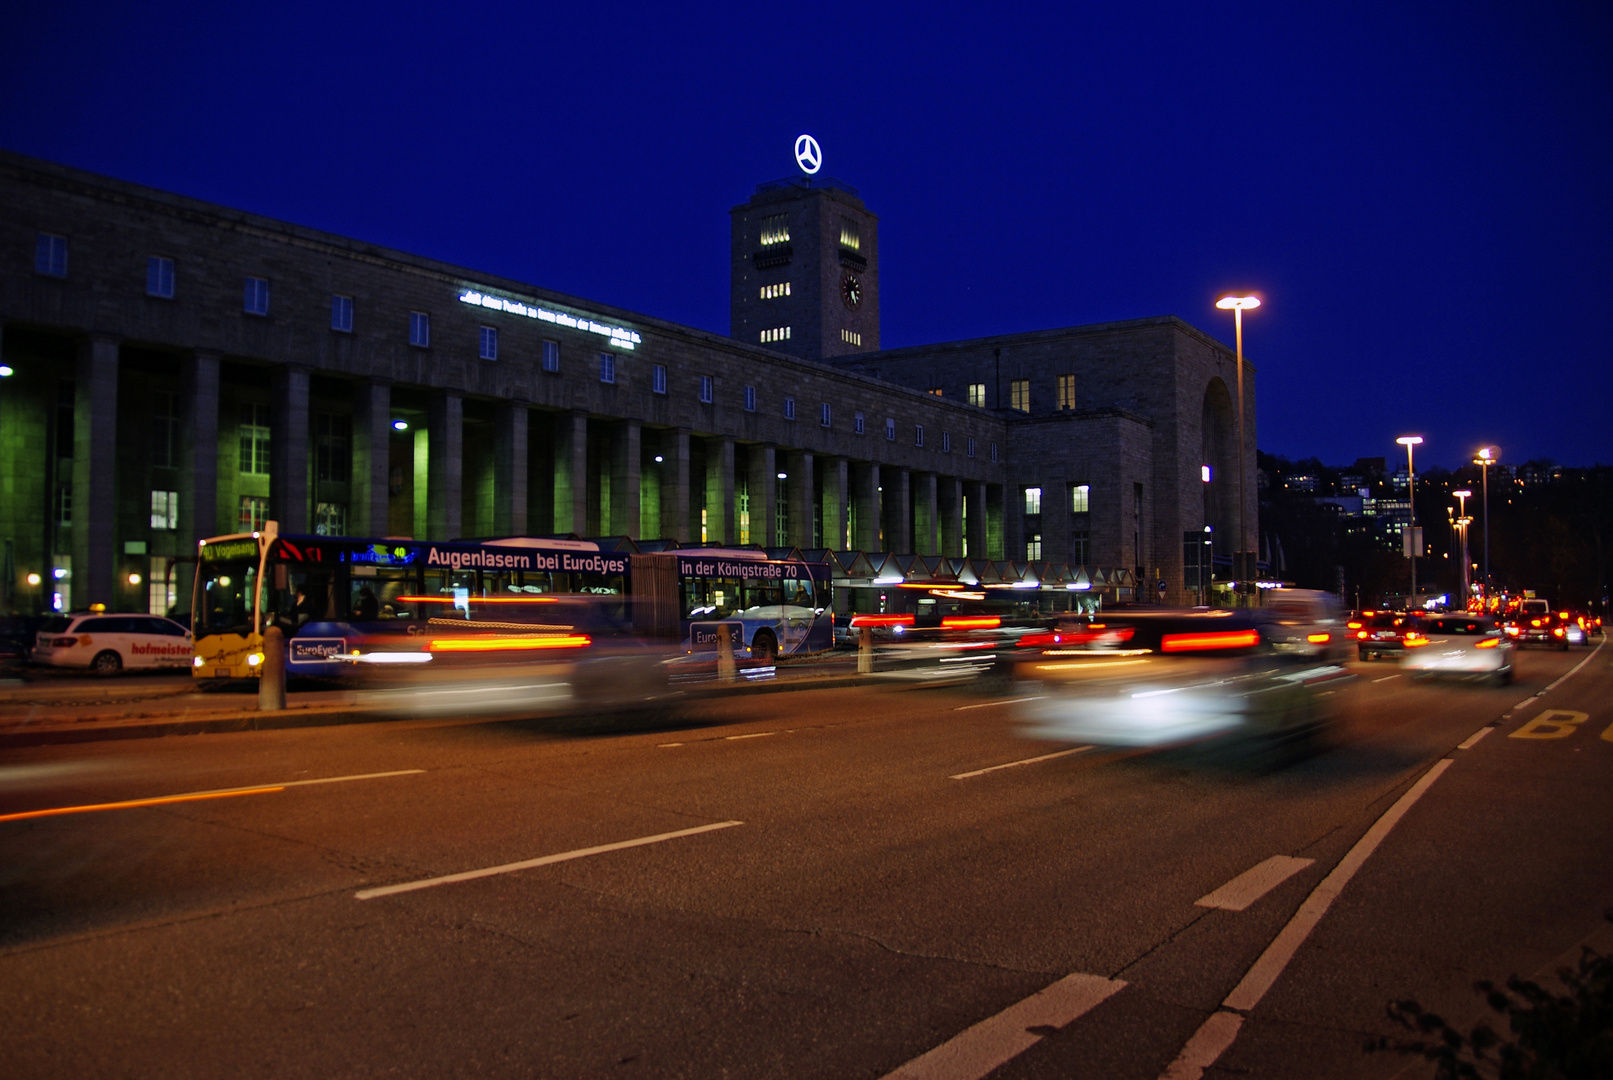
(725, 654)
(865, 651)
(272, 681)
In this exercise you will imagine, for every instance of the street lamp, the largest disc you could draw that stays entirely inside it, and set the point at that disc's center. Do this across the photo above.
(1409, 441)
(1487, 456)
(1462, 519)
(1237, 304)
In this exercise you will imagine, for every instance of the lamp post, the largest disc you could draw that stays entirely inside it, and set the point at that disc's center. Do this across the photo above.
(1409, 441)
(1487, 456)
(1243, 572)
(1462, 519)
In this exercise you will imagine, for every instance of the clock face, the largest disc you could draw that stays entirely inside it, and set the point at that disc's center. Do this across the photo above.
(851, 290)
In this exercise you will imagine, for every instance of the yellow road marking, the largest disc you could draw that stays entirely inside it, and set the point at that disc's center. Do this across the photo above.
(128, 804)
(1548, 725)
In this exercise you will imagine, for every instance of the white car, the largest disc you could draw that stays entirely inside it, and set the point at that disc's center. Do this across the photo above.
(107, 644)
(1464, 646)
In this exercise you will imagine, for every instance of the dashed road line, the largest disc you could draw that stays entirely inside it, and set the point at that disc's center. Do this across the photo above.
(1473, 739)
(1005, 701)
(751, 735)
(1253, 883)
(1012, 764)
(1386, 678)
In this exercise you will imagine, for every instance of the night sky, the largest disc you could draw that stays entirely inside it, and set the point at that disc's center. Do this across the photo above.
(1420, 193)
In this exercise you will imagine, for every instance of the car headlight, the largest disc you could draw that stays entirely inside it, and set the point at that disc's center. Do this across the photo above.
(196, 661)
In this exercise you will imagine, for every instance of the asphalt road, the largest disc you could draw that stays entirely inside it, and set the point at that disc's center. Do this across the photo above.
(829, 883)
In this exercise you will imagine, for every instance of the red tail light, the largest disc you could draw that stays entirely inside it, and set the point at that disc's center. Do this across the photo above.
(1362, 635)
(858, 621)
(1098, 632)
(1224, 639)
(1038, 641)
(1488, 643)
(510, 644)
(971, 622)
(1318, 639)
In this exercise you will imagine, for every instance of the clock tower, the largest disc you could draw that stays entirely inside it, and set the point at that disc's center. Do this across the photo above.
(805, 270)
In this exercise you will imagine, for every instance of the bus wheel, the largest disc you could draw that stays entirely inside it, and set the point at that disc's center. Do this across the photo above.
(106, 663)
(763, 647)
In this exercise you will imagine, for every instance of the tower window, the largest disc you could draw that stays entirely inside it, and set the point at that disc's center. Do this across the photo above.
(341, 314)
(775, 229)
(706, 382)
(50, 255)
(257, 296)
(851, 236)
(160, 277)
(936, 390)
(750, 399)
(1019, 394)
(773, 292)
(419, 329)
(778, 333)
(977, 394)
(1066, 391)
(851, 337)
(489, 343)
(551, 357)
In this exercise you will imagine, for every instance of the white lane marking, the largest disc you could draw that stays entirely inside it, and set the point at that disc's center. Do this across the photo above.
(667, 745)
(1575, 669)
(1473, 739)
(1209, 1042)
(752, 735)
(1011, 764)
(1217, 1033)
(1386, 678)
(985, 1046)
(527, 864)
(1004, 701)
(1253, 883)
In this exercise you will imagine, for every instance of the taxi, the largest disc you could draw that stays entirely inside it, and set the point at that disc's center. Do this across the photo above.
(107, 644)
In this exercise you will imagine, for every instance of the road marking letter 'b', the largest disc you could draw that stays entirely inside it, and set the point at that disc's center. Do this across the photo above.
(1552, 724)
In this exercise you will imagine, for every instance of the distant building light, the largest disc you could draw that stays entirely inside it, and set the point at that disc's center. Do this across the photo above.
(400, 425)
(1204, 473)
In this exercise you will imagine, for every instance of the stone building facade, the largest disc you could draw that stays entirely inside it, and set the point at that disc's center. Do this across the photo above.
(181, 370)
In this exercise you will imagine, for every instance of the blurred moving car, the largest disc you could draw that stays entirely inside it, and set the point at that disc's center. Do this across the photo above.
(1461, 646)
(107, 644)
(1164, 678)
(1384, 633)
(1306, 621)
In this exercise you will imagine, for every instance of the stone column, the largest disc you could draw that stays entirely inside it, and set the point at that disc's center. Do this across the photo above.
(803, 498)
(509, 469)
(95, 460)
(975, 527)
(198, 450)
(288, 450)
(445, 479)
(372, 457)
(624, 478)
(675, 496)
(571, 473)
(951, 511)
(763, 495)
(927, 524)
(720, 492)
(898, 512)
(836, 494)
(870, 533)
(1013, 522)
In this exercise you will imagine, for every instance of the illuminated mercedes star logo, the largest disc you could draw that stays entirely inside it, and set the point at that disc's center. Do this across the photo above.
(807, 154)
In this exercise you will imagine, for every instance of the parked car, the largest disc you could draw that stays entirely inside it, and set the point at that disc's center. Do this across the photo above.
(107, 644)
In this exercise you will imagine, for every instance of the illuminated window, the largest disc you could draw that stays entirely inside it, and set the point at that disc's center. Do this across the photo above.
(162, 592)
(773, 292)
(750, 399)
(50, 255)
(330, 519)
(775, 229)
(851, 337)
(551, 357)
(165, 510)
(341, 314)
(890, 429)
(489, 347)
(1080, 498)
(850, 234)
(918, 434)
(1033, 500)
(1033, 548)
(607, 367)
(257, 296)
(1066, 391)
(858, 424)
(946, 442)
(160, 277)
(252, 513)
(789, 408)
(977, 394)
(936, 390)
(255, 439)
(658, 379)
(705, 389)
(969, 446)
(823, 414)
(778, 333)
(1019, 394)
(419, 329)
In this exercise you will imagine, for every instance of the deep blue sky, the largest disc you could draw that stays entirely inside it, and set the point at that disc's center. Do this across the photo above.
(1420, 192)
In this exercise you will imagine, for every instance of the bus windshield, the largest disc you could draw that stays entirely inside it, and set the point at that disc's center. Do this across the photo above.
(224, 596)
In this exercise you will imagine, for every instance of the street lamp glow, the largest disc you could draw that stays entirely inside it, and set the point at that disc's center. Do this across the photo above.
(6, 371)
(1237, 303)
(1410, 440)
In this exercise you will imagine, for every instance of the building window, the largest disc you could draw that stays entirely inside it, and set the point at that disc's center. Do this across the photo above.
(977, 394)
(658, 379)
(64, 504)
(773, 292)
(330, 519)
(750, 399)
(489, 343)
(254, 511)
(1033, 548)
(551, 357)
(1066, 391)
(775, 229)
(823, 414)
(789, 408)
(851, 337)
(419, 329)
(706, 388)
(1080, 498)
(946, 442)
(341, 314)
(969, 446)
(333, 448)
(1019, 394)
(936, 390)
(162, 591)
(1033, 500)
(50, 255)
(164, 429)
(918, 434)
(890, 429)
(256, 301)
(1080, 548)
(850, 234)
(255, 439)
(607, 367)
(160, 277)
(165, 509)
(778, 333)
(993, 451)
